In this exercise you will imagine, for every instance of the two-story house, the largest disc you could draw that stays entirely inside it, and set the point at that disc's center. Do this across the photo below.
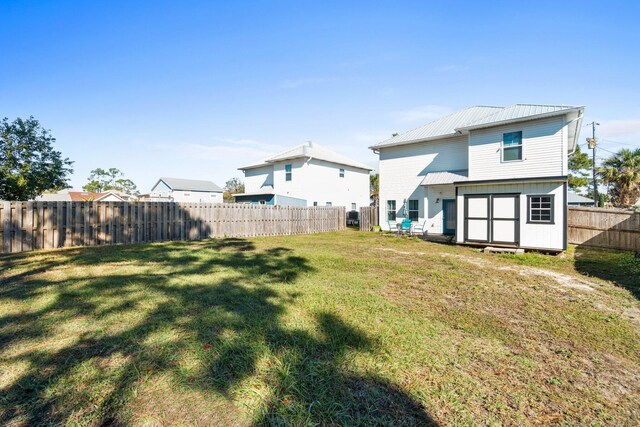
(307, 175)
(489, 175)
(185, 190)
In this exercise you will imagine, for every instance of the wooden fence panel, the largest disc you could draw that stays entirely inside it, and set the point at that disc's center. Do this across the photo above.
(605, 228)
(26, 226)
(368, 217)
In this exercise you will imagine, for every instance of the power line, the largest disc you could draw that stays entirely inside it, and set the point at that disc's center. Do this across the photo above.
(618, 142)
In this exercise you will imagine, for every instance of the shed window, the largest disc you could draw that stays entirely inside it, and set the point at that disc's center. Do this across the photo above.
(341, 173)
(512, 146)
(413, 210)
(541, 209)
(287, 172)
(391, 210)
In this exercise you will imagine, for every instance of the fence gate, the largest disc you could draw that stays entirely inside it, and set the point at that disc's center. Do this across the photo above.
(368, 217)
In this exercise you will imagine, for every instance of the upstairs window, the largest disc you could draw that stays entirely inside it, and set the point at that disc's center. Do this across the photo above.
(187, 194)
(512, 146)
(341, 173)
(353, 206)
(391, 210)
(263, 202)
(413, 210)
(540, 209)
(287, 172)
(315, 203)
(328, 204)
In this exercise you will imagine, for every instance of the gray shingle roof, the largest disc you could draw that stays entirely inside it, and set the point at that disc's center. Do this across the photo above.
(314, 151)
(191, 184)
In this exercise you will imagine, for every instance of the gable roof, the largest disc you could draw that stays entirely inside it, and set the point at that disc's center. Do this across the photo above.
(516, 112)
(576, 198)
(477, 117)
(189, 184)
(311, 151)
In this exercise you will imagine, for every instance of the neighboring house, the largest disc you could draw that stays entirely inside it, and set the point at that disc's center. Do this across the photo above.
(307, 175)
(574, 199)
(489, 175)
(82, 196)
(185, 190)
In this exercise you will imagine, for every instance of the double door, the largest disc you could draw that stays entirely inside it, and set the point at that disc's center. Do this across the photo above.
(492, 218)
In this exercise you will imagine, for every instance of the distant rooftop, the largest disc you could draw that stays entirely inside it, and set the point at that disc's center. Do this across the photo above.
(190, 184)
(313, 151)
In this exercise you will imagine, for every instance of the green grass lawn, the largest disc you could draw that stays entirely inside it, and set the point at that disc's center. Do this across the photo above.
(342, 328)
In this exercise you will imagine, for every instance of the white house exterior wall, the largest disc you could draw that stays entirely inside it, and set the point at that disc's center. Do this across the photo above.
(196, 196)
(255, 179)
(544, 151)
(403, 168)
(535, 236)
(314, 181)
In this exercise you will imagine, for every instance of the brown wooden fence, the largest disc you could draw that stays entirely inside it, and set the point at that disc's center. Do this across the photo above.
(368, 218)
(26, 226)
(605, 228)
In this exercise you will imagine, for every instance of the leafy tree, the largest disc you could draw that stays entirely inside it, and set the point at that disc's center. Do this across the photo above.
(374, 187)
(579, 165)
(621, 172)
(101, 180)
(232, 186)
(29, 165)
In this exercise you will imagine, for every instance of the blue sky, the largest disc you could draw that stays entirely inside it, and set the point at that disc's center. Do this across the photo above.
(198, 89)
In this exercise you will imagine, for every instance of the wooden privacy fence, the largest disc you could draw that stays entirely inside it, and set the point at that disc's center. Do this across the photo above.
(368, 217)
(26, 226)
(605, 228)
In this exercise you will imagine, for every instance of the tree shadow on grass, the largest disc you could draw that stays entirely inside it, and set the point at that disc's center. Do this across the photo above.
(221, 302)
(619, 267)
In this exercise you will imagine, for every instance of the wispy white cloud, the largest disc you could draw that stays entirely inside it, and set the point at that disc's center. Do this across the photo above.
(623, 130)
(421, 114)
(296, 83)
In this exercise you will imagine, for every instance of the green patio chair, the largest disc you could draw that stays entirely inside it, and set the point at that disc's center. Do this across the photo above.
(405, 225)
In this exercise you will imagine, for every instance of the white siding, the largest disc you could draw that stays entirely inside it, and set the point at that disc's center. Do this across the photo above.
(255, 179)
(314, 181)
(544, 151)
(403, 168)
(196, 196)
(538, 236)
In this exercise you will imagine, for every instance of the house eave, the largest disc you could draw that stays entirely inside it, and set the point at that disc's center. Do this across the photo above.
(521, 119)
(416, 141)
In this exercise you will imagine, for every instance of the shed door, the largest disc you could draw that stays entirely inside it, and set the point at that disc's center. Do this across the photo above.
(476, 218)
(504, 218)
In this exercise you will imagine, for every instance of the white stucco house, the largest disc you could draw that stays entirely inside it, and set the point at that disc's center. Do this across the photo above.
(307, 175)
(185, 190)
(489, 175)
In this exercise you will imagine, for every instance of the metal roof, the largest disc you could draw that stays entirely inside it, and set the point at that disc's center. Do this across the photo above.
(190, 184)
(267, 189)
(576, 198)
(445, 177)
(443, 127)
(312, 151)
(516, 112)
(477, 117)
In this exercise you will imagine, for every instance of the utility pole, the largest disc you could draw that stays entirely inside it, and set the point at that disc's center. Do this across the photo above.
(592, 144)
